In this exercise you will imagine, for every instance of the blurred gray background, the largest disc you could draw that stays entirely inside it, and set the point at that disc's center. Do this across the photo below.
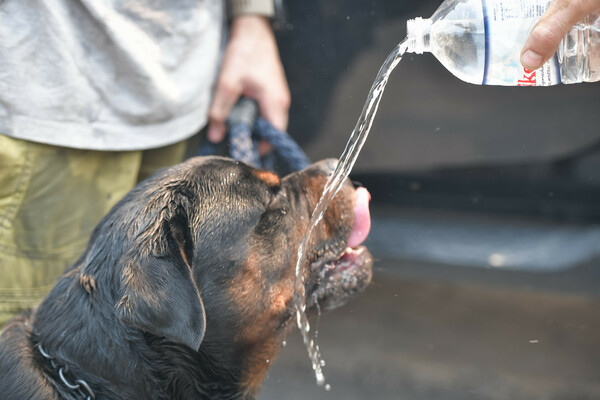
(486, 211)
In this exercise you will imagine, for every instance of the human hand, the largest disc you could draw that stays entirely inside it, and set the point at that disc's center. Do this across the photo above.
(251, 67)
(552, 27)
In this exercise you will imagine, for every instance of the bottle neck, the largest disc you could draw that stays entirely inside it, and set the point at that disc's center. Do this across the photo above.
(417, 35)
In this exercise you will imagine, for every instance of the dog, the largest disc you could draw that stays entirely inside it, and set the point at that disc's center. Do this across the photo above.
(185, 290)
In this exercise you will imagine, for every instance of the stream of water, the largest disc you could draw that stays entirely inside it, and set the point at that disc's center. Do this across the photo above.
(333, 185)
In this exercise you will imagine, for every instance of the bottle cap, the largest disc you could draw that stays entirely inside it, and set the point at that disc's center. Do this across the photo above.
(416, 30)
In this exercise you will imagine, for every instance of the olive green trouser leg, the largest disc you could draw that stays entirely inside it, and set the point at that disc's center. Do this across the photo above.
(51, 198)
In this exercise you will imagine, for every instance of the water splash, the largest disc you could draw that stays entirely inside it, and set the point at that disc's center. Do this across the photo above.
(333, 185)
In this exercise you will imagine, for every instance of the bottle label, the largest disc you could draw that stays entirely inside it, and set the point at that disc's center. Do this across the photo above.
(507, 26)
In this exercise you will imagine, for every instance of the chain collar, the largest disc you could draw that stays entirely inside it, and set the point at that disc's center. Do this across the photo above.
(80, 386)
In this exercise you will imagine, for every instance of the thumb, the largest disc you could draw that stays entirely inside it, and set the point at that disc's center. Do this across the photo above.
(545, 37)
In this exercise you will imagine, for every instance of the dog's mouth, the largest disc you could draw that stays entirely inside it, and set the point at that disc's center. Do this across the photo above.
(346, 268)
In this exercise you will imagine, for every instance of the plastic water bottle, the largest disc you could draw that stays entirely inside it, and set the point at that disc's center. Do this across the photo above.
(480, 42)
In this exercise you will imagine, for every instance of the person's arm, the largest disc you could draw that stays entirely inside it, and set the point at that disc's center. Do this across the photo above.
(251, 67)
(552, 27)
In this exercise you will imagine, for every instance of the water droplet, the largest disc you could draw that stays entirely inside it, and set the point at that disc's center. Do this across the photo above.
(320, 377)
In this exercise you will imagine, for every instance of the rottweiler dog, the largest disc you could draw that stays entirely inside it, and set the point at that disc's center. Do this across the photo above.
(185, 289)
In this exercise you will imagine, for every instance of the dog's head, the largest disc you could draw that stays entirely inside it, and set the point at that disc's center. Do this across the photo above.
(208, 251)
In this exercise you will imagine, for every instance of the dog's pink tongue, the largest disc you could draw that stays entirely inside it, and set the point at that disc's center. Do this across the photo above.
(362, 218)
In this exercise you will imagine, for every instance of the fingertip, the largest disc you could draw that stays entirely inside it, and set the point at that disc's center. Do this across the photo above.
(215, 133)
(275, 107)
(276, 116)
(531, 60)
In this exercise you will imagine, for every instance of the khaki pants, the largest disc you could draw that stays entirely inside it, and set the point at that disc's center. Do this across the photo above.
(51, 198)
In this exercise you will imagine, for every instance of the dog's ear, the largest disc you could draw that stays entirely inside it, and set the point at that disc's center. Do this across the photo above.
(159, 292)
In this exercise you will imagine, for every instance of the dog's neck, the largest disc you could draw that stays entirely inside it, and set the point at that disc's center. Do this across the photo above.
(121, 362)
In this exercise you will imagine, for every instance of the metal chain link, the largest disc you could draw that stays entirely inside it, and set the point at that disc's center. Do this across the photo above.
(80, 385)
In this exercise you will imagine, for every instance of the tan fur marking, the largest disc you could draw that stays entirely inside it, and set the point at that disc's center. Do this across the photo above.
(268, 177)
